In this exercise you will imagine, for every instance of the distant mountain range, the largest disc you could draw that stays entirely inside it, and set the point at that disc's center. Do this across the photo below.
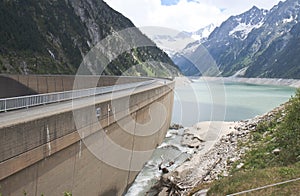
(173, 41)
(178, 43)
(52, 37)
(257, 43)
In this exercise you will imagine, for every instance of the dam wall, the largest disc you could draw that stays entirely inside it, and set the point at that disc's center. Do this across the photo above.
(21, 85)
(91, 146)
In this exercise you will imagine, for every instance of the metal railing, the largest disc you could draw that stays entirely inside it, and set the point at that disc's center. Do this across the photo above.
(14, 103)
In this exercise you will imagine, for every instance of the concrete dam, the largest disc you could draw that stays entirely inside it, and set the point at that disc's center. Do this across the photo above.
(87, 135)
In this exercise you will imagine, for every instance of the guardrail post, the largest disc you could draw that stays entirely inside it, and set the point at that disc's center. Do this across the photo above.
(27, 102)
(5, 106)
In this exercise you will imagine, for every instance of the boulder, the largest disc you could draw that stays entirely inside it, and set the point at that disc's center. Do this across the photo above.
(276, 151)
(176, 126)
(239, 166)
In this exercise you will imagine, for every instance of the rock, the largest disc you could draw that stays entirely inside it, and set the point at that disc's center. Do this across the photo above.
(165, 178)
(276, 151)
(239, 166)
(176, 126)
(165, 170)
(191, 141)
(201, 193)
(171, 178)
(163, 192)
(232, 160)
(236, 132)
(233, 139)
(265, 134)
(225, 174)
(207, 178)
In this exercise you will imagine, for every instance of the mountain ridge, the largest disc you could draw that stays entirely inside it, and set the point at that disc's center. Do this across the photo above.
(256, 43)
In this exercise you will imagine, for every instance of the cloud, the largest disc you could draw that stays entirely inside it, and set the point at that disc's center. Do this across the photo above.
(189, 15)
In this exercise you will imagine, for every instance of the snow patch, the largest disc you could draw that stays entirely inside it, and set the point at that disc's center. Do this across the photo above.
(240, 72)
(245, 29)
(89, 43)
(238, 19)
(191, 49)
(196, 37)
(288, 20)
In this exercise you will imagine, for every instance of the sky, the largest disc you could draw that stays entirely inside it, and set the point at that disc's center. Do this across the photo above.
(184, 15)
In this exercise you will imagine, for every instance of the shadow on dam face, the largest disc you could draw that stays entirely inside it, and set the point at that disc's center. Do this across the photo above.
(12, 88)
(110, 192)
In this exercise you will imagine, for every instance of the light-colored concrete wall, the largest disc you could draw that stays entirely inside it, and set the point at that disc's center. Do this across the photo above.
(28, 164)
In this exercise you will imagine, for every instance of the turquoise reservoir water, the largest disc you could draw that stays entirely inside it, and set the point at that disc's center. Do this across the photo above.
(204, 100)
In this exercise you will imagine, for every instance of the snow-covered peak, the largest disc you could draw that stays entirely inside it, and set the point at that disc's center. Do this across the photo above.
(242, 30)
(246, 22)
(197, 35)
(239, 26)
(204, 32)
(171, 41)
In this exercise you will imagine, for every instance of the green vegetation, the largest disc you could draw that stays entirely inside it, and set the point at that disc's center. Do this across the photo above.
(246, 180)
(48, 37)
(274, 157)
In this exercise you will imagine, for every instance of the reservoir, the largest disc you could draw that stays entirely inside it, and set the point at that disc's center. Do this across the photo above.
(199, 100)
(202, 100)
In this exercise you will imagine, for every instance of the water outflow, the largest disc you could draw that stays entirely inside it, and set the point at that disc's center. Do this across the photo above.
(169, 154)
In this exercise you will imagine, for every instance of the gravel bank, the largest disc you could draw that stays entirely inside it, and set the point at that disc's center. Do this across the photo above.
(218, 152)
(261, 81)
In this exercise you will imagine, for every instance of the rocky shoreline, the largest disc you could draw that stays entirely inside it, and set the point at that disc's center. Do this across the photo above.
(207, 165)
(259, 81)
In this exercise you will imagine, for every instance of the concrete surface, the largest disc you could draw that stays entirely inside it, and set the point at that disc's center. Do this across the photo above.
(47, 150)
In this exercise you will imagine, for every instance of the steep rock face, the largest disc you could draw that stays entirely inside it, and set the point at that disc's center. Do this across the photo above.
(52, 37)
(257, 43)
(277, 56)
(232, 42)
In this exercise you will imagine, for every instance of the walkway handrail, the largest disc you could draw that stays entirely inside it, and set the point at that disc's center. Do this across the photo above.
(14, 103)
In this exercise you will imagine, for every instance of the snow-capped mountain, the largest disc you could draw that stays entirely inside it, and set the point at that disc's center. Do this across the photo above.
(257, 43)
(172, 41)
(179, 44)
(199, 35)
(238, 27)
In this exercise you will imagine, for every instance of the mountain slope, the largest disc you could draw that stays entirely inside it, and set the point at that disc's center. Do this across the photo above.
(257, 43)
(280, 56)
(231, 42)
(52, 37)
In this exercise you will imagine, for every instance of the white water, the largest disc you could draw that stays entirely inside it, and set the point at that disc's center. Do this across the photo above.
(169, 150)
